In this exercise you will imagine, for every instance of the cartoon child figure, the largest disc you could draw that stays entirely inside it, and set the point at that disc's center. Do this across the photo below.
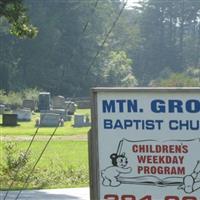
(110, 174)
(191, 182)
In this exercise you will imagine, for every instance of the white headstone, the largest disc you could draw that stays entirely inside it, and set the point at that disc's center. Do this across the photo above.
(81, 120)
(49, 119)
(23, 114)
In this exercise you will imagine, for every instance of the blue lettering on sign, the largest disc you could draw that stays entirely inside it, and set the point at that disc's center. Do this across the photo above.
(193, 106)
(137, 124)
(175, 106)
(156, 106)
(120, 105)
(193, 125)
(108, 106)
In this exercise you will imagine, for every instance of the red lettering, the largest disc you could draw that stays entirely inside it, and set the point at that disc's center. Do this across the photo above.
(189, 198)
(171, 198)
(148, 197)
(128, 197)
(111, 197)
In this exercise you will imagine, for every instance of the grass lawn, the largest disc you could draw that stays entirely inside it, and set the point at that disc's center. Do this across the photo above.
(64, 164)
(28, 128)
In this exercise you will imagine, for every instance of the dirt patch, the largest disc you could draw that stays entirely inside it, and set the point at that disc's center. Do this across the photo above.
(45, 138)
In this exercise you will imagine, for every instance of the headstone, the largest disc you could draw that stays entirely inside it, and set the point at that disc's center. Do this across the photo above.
(44, 101)
(9, 120)
(81, 121)
(58, 102)
(2, 109)
(28, 103)
(70, 107)
(61, 112)
(23, 114)
(78, 120)
(49, 119)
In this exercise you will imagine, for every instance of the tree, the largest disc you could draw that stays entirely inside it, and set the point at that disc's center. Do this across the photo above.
(170, 35)
(13, 18)
(15, 13)
(117, 70)
(177, 80)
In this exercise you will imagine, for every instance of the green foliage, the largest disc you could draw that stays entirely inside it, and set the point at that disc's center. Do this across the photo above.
(193, 73)
(156, 36)
(14, 161)
(16, 98)
(62, 173)
(177, 80)
(118, 71)
(15, 13)
(12, 98)
(31, 93)
(170, 37)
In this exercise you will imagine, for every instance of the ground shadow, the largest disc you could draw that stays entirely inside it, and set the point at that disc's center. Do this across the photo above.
(40, 195)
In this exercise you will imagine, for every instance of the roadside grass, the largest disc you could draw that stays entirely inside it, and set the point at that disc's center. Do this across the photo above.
(64, 164)
(28, 128)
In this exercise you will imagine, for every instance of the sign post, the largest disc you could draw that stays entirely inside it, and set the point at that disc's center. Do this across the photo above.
(145, 144)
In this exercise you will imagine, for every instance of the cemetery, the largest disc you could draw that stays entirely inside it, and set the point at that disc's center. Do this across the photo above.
(83, 82)
(47, 112)
(18, 126)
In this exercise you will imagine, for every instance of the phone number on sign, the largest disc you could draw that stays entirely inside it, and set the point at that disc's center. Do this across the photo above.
(147, 197)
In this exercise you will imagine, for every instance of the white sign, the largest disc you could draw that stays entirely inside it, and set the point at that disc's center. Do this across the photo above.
(146, 144)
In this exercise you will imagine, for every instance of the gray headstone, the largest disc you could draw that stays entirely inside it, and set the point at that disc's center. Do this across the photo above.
(79, 120)
(23, 114)
(28, 103)
(61, 112)
(44, 101)
(2, 109)
(49, 119)
(58, 102)
(9, 120)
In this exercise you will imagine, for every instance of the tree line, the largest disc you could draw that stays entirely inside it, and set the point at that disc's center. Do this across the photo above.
(156, 42)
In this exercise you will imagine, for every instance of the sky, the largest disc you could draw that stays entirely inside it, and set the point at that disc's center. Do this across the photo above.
(131, 2)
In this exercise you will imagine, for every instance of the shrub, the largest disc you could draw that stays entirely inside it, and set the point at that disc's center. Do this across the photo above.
(31, 93)
(15, 99)
(56, 174)
(15, 164)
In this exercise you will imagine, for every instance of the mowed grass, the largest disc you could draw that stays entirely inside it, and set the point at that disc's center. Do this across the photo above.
(64, 164)
(28, 128)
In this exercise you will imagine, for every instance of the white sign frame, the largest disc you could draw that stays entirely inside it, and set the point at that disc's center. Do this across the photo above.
(94, 163)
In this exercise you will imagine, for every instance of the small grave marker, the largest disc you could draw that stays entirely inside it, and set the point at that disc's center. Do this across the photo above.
(49, 119)
(23, 114)
(9, 120)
